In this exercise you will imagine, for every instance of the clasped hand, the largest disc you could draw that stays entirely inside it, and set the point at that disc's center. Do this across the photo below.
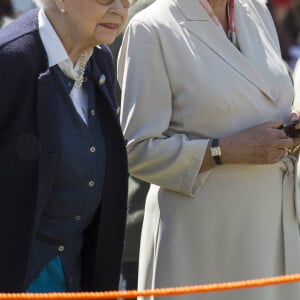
(262, 144)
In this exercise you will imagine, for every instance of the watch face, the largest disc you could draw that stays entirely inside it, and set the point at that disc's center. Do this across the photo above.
(215, 151)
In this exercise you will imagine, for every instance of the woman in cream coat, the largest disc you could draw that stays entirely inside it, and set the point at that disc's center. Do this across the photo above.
(185, 83)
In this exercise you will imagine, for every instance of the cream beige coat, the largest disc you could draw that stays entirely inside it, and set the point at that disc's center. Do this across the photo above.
(183, 83)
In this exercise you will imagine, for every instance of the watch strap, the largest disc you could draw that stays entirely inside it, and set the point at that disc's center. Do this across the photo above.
(217, 158)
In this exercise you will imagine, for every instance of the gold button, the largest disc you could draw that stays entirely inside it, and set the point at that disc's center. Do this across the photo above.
(93, 112)
(78, 218)
(93, 149)
(61, 248)
(91, 183)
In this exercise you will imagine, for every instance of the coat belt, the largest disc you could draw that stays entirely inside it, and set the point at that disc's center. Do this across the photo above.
(290, 215)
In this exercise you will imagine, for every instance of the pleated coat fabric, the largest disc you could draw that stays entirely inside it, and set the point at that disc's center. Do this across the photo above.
(183, 83)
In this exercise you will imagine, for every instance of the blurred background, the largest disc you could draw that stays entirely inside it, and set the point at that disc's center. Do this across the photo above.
(286, 15)
(10, 9)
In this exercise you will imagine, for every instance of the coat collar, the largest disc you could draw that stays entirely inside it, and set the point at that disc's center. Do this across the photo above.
(196, 20)
(26, 23)
(192, 10)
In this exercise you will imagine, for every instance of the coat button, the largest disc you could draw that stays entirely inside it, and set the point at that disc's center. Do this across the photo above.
(61, 248)
(91, 183)
(78, 218)
(92, 112)
(93, 149)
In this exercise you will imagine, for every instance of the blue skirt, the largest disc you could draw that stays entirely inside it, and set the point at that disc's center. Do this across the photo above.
(51, 279)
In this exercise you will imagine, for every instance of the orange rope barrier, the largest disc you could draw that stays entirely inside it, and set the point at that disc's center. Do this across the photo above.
(205, 288)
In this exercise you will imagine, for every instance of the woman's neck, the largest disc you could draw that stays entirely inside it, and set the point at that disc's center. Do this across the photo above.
(72, 46)
(219, 7)
(217, 3)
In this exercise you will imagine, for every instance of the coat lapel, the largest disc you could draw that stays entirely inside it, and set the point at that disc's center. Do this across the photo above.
(197, 21)
(99, 78)
(256, 44)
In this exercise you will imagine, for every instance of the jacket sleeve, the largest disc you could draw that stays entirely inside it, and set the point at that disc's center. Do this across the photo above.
(170, 160)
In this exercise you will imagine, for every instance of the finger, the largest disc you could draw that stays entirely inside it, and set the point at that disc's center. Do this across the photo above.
(275, 124)
(283, 143)
(282, 153)
(294, 116)
(297, 126)
(296, 141)
(280, 134)
(277, 155)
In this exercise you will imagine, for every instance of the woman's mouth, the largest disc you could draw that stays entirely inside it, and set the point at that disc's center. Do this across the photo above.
(110, 26)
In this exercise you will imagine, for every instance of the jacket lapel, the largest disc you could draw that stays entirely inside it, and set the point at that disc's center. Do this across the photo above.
(197, 21)
(99, 78)
(256, 44)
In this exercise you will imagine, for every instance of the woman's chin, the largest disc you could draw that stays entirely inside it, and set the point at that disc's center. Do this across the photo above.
(106, 37)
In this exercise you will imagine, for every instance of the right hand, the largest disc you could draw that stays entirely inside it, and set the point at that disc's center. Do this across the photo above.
(261, 144)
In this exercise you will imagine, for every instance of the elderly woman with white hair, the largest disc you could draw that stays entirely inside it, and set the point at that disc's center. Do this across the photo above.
(63, 162)
(206, 110)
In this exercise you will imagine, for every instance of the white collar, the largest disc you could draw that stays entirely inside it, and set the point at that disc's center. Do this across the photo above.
(54, 48)
(56, 52)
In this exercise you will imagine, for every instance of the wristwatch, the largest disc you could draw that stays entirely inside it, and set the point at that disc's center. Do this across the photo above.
(215, 151)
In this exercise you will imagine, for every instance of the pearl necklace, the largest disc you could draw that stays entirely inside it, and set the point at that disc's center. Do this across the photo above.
(67, 68)
(79, 79)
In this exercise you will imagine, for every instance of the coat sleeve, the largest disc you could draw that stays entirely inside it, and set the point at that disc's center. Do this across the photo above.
(169, 160)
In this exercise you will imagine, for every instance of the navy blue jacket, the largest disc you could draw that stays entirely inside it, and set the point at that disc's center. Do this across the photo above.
(29, 154)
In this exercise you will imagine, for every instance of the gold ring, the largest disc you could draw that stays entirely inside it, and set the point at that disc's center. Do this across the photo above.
(291, 150)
